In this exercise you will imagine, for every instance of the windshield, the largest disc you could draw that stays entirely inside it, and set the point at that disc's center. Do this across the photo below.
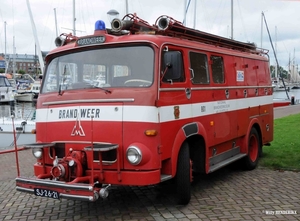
(110, 67)
(4, 82)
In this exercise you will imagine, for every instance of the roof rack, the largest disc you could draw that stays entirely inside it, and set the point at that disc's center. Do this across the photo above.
(168, 26)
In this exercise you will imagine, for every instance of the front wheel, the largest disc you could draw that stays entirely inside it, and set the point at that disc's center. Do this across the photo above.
(183, 179)
(254, 146)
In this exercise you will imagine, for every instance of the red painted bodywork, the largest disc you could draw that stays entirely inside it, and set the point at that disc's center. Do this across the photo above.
(217, 130)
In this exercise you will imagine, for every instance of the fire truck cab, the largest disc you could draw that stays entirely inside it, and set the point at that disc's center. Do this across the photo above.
(139, 104)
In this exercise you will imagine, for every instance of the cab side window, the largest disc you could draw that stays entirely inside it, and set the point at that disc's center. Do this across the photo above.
(199, 66)
(217, 67)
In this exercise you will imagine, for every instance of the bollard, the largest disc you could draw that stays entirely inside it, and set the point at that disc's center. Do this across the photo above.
(292, 100)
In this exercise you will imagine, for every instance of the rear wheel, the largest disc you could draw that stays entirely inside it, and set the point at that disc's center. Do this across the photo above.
(254, 146)
(183, 183)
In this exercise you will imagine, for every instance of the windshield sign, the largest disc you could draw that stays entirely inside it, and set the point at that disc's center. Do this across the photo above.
(91, 40)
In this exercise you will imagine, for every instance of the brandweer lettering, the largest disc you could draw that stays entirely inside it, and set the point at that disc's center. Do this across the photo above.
(84, 113)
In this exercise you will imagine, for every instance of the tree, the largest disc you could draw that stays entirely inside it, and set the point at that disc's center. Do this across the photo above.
(21, 72)
(284, 73)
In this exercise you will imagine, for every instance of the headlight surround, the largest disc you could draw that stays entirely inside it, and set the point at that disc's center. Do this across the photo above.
(134, 155)
(37, 153)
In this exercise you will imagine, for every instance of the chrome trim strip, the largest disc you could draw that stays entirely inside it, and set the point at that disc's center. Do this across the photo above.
(53, 183)
(123, 42)
(213, 88)
(172, 89)
(78, 142)
(259, 115)
(77, 197)
(90, 101)
(228, 87)
(26, 190)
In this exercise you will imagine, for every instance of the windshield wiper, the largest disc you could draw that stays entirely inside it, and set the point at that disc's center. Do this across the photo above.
(63, 81)
(104, 89)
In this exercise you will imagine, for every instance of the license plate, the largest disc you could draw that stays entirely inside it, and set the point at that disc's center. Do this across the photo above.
(46, 193)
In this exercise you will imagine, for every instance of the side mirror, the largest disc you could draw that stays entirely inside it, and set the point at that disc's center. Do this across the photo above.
(173, 64)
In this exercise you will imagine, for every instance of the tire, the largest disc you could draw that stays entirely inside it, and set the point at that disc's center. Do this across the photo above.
(254, 149)
(182, 178)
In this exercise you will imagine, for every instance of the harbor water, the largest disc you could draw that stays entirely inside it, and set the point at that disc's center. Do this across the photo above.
(292, 94)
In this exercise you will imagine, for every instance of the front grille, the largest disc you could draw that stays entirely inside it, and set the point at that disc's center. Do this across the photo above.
(108, 152)
(57, 150)
(107, 156)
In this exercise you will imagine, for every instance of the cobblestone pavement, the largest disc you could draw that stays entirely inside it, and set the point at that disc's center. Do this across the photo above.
(227, 194)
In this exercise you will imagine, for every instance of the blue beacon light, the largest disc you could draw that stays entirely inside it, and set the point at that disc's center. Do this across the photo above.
(100, 25)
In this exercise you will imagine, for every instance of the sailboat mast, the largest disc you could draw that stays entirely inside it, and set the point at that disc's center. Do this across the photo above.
(261, 29)
(184, 12)
(14, 57)
(6, 64)
(74, 19)
(126, 7)
(231, 19)
(195, 13)
(41, 61)
(55, 21)
(276, 67)
(5, 40)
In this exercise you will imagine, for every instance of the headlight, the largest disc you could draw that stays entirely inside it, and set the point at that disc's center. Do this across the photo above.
(134, 155)
(37, 153)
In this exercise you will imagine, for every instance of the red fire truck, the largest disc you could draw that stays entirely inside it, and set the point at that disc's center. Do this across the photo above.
(139, 104)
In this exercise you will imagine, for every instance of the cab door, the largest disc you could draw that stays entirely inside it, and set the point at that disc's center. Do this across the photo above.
(225, 99)
(174, 97)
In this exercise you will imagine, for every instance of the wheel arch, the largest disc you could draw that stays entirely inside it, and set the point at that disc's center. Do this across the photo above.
(254, 123)
(189, 133)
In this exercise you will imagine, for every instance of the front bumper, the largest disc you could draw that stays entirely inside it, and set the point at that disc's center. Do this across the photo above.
(83, 192)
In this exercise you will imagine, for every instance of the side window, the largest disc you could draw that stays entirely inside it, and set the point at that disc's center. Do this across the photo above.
(217, 68)
(172, 67)
(199, 65)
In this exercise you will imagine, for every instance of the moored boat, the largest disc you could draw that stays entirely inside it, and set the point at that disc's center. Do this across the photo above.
(24, 97)
(6, 90)
(24, 132)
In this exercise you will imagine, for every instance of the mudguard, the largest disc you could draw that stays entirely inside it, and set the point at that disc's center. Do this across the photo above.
(186, 131)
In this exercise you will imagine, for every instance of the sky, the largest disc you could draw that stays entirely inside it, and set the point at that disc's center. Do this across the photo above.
(212, 16)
